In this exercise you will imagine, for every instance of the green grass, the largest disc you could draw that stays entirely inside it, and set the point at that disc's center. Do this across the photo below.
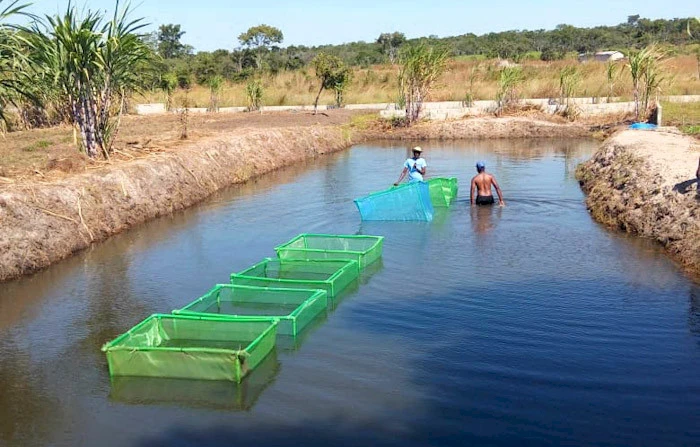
(691, 130)
(41, 144)
(685, 116)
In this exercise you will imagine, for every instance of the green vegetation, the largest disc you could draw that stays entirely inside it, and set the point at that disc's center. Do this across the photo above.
(612, 72)
(88, 68)
(41, 144)
(214, 83)
(685, 116)
(508, 81)
(260, 46)
(390, 44)
(83, 69)
(13, 85)
(421, 67)
(258, 39)
(333, 74)
(254, 94)
(645, 70)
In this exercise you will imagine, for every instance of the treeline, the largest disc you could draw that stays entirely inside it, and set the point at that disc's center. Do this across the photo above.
(260, 47)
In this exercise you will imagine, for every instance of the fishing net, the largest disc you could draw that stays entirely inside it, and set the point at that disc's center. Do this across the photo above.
(363, 249)
(325, 274)
(409, 201)
(295, 308)
(191, 347)
(443, 191)
(206, 394)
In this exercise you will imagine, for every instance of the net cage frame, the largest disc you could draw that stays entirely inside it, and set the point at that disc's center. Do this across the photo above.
(310, 303)
(423, 210)
(443, 191)
(292, 250)
(345, 272)
(144, 357)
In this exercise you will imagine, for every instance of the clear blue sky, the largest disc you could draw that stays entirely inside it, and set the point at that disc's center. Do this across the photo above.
(213, 24)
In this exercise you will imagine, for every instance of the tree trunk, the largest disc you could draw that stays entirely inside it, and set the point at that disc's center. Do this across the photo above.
(317, 96)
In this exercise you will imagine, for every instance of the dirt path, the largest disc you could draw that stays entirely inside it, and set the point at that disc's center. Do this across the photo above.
(49, 154)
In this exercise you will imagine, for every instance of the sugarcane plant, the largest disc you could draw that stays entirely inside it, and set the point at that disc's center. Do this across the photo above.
(15, 86)
(92, 65)
(509, 79)
(647, 76)
(421, 68)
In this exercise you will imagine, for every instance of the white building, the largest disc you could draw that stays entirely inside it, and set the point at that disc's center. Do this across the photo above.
(601, 56)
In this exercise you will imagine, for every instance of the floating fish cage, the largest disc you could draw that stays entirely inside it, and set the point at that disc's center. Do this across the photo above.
(191, 347)
(406, 202)
(363, 249)
(326, 274)
(295, 308)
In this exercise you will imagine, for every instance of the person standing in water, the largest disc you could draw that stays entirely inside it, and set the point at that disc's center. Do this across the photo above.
(482, 182)
(414, 167)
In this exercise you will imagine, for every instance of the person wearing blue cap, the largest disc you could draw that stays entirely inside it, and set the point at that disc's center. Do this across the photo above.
(414, 167)
(482, 183)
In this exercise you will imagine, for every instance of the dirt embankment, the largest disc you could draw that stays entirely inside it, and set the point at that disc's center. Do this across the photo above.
(46, 219)
(43, 222)
(484, 127)
(644, 183)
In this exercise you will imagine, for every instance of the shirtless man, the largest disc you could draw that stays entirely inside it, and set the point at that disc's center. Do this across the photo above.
(482, 182)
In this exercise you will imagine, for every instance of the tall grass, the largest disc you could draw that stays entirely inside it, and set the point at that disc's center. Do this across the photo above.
(378, 84)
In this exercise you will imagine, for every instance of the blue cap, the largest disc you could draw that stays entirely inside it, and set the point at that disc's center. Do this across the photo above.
(480, 165)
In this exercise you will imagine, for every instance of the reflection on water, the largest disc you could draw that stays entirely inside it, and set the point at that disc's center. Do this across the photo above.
(484, 219)
(694, 313)
(528, 324)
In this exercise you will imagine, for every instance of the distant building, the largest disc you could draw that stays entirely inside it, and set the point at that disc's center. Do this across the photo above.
(601, 56)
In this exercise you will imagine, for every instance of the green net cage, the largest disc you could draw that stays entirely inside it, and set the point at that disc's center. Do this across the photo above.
(326, 274)
(443, 191)
(191, 347)
(364, 249)
(190, 393)
(410, 201)
(295, 308)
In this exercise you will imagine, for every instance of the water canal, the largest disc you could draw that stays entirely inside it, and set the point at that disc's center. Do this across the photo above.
(523, 325)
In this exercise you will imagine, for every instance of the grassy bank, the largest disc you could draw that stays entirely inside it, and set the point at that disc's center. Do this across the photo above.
(478, 78)
(685, 116)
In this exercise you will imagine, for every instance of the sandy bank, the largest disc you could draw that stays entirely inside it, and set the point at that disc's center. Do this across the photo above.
(487, 127)
(644, 183)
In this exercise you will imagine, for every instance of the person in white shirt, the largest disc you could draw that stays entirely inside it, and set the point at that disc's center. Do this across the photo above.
(414, 167)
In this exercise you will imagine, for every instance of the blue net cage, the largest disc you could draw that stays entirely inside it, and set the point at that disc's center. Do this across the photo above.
(402, 203)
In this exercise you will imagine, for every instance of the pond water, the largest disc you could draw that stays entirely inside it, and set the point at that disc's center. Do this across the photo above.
(523, 325)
